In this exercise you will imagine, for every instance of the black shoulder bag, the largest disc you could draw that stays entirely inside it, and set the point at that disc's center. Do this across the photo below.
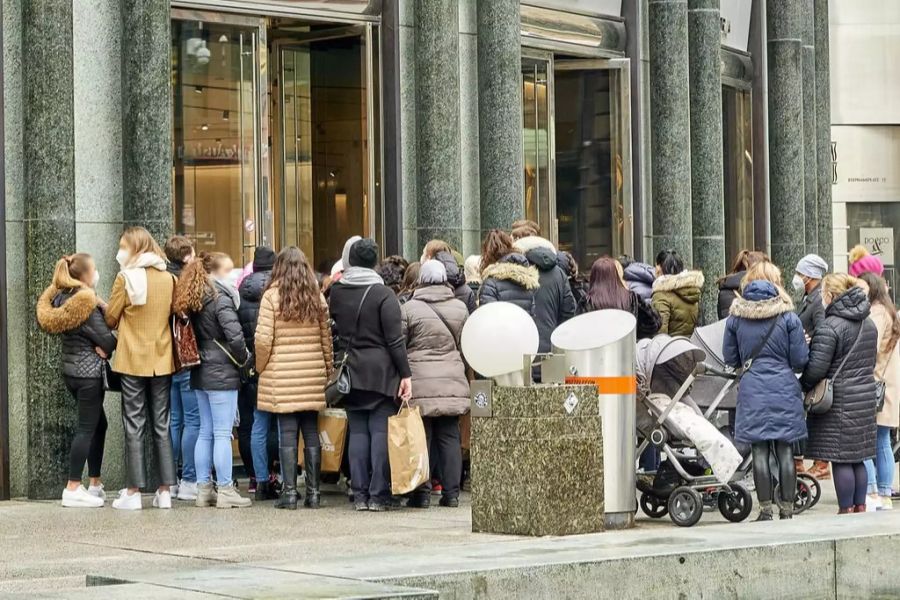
(339, 384)
(818, 400)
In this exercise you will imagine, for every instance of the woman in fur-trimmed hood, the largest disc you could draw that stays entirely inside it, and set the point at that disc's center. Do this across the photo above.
(507, 276)
(676, 295)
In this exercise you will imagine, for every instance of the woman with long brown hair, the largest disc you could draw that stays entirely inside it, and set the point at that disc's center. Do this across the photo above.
(294, 359)
(607, 291)
(70, 307)
(204, 293)
(730, 285)
(507, 276)
(139, 308)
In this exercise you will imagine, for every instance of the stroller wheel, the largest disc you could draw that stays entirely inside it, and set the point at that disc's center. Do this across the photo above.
(685, 506)
(809, 492)
(653, 507)
(737, 504)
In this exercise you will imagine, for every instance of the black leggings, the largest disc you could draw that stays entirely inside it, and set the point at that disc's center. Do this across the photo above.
(90, 436)
(246, 403)
(850, 482)
(782, 454)
(291, 424)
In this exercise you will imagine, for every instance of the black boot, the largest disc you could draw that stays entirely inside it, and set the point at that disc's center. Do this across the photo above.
(262, 491)
(312, 465)
(288, 498)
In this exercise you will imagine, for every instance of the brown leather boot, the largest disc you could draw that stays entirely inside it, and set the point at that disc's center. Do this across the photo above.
(799, 466)
(860, 508)
(820, 470)
(846, 511)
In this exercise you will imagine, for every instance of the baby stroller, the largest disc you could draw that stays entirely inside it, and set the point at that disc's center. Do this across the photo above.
(700, 463)
(714, 390)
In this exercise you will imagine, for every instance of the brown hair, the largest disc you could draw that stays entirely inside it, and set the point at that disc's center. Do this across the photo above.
(878, 294)
(70, 269)
(298, 290)
(524, 228)
(178, 248)
(139, 241)
(435, 246)
(497, 244)
(410, 278)
(194, 282)
(607, 290)
(746, 259)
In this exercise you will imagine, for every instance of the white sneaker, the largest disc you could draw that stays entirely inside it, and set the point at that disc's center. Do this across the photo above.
(80, 498)
(187, 490)
(162, 499)
(128, 502)
(98, 491)
(873, 503)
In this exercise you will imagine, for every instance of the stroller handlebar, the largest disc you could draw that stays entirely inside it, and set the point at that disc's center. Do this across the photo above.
(726, 373)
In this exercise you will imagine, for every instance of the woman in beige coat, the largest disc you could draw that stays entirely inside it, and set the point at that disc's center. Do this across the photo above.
(294, 359)
(432, 324)
(884, 314)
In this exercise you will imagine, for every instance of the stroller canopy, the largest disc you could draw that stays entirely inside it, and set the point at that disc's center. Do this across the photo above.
(664, 362)
(711, 339)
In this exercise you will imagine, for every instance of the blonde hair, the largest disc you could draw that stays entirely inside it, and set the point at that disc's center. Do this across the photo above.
(857, 252)
(70, 269)
(836, 284)
(762, 271)
(139, 241)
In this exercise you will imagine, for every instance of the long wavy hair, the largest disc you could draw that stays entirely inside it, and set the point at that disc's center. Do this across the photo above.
(606, 288)
(410, 278)
(298, 290)
(194, 283)
(878, 294)
(497, 244)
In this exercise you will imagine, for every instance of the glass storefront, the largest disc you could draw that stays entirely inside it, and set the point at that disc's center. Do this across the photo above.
(737, 145)
(872, 224)
(537, 144)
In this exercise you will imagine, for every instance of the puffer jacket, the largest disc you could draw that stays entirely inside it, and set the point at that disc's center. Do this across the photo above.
(457, 280)
(811, 310)
(293, 359)
(639, 278)
(846, 433)
(439, 383)
(74, 314)
(218, 321)
(887, 369)
(554, 303)
(677, 300)
(729, 289)
(251, 291)
(511, 279)
(770, 401)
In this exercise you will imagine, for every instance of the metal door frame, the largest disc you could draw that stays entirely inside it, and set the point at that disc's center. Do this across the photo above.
(547, 57)
(623, 68)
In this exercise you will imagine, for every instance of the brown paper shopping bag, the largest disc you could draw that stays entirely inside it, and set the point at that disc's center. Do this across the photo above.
(407, 450)
(332, 437)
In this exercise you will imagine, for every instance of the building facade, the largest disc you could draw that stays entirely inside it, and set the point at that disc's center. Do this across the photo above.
(621, 127)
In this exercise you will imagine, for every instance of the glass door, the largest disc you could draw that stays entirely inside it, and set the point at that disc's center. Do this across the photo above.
(537, 127)
(218, 157)
(737, 144)
(592, 134)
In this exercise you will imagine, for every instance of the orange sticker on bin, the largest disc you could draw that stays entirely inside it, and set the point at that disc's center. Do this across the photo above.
(626, 384)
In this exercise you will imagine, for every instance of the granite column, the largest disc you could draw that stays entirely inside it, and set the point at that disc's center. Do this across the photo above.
(670, 127)
(49, 199)
(810, 164)
(823, 132)
(438, 203)
(500, 113)
(147, 116)
(707, 194)
(786, 175)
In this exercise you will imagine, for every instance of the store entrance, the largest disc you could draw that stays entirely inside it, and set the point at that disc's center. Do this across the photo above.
(737, 146)
(577, 162)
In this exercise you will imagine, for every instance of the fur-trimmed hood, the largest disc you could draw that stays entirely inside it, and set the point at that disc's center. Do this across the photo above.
(509, 270)
(71, 314)
(686, 285)
(761, 300)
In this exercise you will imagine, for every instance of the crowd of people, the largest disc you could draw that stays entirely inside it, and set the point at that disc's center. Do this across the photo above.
(270, 339)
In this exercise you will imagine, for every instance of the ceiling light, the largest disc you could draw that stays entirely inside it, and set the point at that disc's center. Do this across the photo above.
(204, 127)
(198, 89)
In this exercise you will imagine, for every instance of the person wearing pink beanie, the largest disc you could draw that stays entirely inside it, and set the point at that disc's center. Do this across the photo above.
(861, 261)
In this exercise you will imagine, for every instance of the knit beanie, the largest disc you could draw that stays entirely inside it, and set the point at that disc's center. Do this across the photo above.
(432, 272)
(363, 253)
(263, 259)
(867, 264)
(812, 266)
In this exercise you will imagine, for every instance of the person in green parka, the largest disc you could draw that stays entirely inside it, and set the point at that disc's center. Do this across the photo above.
(676, 294)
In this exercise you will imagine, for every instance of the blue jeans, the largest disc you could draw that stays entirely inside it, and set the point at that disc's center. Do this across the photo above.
(881, 470)
(184, 424)
(217, 411)
(259, 440)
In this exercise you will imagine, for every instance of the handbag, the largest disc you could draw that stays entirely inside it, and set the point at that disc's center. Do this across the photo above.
(407, 450)
(818, 400)
(247, 370)
(187, 354)
(339, 384)
(881, 385)
(112, 381)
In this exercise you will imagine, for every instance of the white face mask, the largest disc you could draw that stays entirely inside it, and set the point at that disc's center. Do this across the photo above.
(797, 283)
(122, 257)
(96, 279)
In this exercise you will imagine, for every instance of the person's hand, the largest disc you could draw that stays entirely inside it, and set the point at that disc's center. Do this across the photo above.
(100, 352)
(405, 392)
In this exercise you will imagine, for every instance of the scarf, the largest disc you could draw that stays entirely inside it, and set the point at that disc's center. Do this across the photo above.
(360, 276)
(135, 275)
(224, 286)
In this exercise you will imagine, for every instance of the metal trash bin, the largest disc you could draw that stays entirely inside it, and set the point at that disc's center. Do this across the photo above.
(600, 349)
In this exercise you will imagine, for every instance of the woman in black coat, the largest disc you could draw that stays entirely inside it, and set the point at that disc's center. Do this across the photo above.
(204, 293)
(845, 435)
(730, 285)
(607, 291)
(70, 307)
(506, 275)
(366, 314)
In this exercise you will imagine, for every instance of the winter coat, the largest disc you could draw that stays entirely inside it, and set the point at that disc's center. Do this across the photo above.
(293, 359)
(811, 310)
(846, 433)
(75, 314)
(639, 278)
(457, 280)
(770, 401)
(218, 322)
(554, 303)
(647, 317)
(377, 359)
(251, 291)
(439, 383)
(729, 289)
(887, 368)
(677, 300)
(511, 279)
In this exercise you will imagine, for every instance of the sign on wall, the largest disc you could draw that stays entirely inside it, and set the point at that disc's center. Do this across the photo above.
(735, 15)
(879, 241)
